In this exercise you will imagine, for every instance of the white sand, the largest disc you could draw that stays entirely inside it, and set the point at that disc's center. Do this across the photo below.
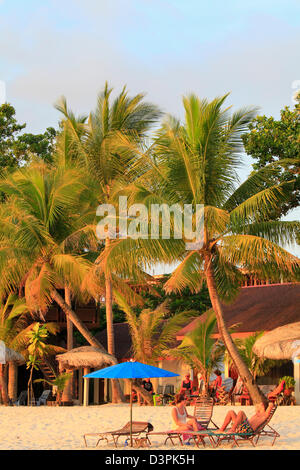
(62, 428)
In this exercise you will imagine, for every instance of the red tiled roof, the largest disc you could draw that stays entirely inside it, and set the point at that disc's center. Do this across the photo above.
(259, 308)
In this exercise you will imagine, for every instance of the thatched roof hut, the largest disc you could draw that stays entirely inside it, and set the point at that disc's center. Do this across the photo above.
(14, 356)
(280, 343)
(84, 356)
(10, 355)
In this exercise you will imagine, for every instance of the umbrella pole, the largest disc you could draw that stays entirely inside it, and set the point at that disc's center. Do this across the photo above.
(131, 413)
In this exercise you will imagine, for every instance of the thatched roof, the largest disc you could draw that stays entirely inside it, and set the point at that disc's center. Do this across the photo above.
(281, 343)
(12, 356)
(258, 308)
(85, 356)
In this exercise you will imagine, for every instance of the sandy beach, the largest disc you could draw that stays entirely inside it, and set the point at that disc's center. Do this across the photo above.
(24, 428)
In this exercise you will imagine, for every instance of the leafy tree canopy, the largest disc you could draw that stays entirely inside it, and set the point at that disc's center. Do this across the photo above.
(269, 140)
(16, 149)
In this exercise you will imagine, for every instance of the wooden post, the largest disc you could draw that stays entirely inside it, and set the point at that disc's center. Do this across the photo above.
(297, 379)
(96, 391)
(80, 383)
(12, 381)
(86, 384)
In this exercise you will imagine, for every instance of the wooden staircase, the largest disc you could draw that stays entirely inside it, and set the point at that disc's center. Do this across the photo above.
(48, 369)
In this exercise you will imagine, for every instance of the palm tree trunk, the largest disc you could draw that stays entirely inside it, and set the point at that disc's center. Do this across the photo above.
(78, 323)
(241, 367)
(3, 385)
(115, 385)
(12, 381)
(85, 332)
(110, 334)
(67, 395)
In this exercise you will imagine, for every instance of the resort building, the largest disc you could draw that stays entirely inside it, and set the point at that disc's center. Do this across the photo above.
(261, 307)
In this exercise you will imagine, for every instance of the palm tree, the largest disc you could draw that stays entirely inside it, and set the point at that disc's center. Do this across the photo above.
(12, 323)
(16, 323)
(60, 382)
(152, 333)
(37, 349)
(196, 163)
(257, 365)
(44, 217)
(96, 145)
(200, 350)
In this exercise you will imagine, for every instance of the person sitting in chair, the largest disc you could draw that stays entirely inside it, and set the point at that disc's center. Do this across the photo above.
(147, 385)
(186, 385)
(240, 423)
(215, 384)
(180, 415)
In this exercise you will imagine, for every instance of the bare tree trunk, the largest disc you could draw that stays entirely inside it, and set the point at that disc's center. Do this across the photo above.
(3, 385)
(84, 331)
(241, 367)
(12, 381)
(30, 395)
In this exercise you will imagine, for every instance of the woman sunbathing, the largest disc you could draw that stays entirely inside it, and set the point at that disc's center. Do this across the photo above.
(240, 423)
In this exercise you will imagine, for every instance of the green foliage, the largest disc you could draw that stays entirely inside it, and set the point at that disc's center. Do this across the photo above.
(270, 140)
(33, 362)
(258, 366)
(59, 382)
(199, 302)
(152, 331)
(15, 149)
(289, 381)
(37, 340)
(199, 349)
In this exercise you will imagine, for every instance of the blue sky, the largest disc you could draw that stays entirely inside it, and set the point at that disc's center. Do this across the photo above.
(166, 48)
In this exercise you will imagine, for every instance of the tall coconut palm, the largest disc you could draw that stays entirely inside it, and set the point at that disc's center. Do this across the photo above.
(45, 214)
(196, 163)
(95, 144)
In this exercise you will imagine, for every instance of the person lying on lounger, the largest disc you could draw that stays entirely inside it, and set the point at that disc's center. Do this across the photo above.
(240, 423)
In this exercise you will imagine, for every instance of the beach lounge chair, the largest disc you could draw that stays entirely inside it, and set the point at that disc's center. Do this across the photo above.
(175, 437)
(43, 398)
(223, 392)
(203, 411)
(22, 400)
(138, 428)
(263, 430)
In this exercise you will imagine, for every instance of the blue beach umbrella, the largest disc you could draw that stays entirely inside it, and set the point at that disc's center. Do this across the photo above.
(130, 370)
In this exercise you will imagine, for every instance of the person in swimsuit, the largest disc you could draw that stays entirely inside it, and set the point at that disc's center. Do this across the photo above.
(186, 385)
(240, 423)
(180, 415)
(147, 385)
